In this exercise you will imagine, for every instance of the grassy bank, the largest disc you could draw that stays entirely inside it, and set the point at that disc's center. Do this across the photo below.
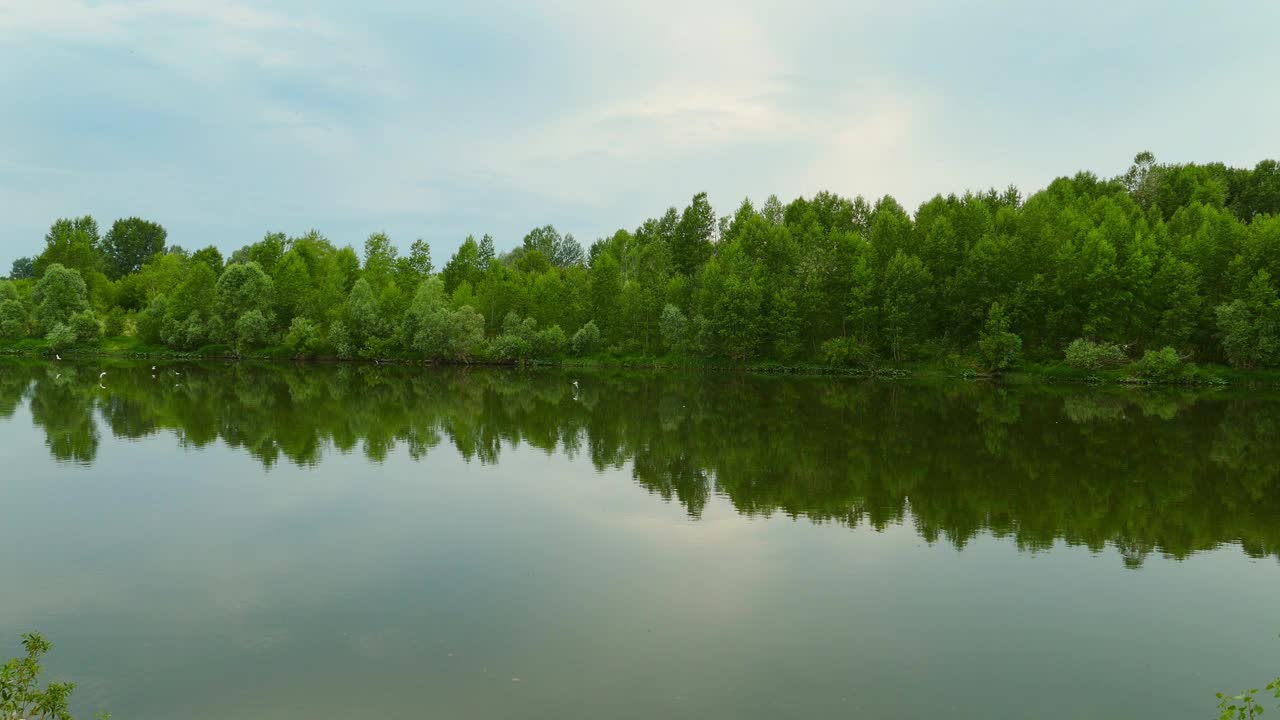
(953, 367)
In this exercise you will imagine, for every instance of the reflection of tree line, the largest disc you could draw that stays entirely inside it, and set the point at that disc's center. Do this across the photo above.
(1166, 472)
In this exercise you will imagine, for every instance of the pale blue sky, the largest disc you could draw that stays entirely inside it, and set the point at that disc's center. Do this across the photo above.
(222, 120)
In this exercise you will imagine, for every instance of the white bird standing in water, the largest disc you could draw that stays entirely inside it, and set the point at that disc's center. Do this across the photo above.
(56, 356)
(102, 374)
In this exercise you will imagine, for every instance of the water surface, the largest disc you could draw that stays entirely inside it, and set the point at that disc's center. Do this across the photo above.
(217, 541)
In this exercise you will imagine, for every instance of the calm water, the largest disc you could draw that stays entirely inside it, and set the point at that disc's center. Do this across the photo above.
(359, 542)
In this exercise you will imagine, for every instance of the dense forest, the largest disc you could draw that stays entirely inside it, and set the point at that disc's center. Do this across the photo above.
(1171, 472)
(1165, 264)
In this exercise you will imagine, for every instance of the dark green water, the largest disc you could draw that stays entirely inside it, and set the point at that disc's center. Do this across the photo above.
(373, 542)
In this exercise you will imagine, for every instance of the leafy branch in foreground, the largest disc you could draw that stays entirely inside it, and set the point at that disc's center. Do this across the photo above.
(1245, 706)
(21, 698)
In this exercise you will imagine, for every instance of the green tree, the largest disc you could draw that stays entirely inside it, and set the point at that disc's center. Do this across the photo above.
(22, 269)
(20, 693)
(1249, 326)
(130, 243)
(998, 347)
(59, 293)
(243, 288)
(906, 312)
(691, 242)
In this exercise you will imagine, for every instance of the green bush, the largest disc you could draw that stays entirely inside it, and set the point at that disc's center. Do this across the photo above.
(674, 328)
(586, 340)
(1162, 365)
(13, 320)
(304, 337)
(61, 337)
(20, 696)
(113, 324)
(1089, 355)
(86, 327)
(998, 348)
(846, 352)
(252, 329)
(550, 344)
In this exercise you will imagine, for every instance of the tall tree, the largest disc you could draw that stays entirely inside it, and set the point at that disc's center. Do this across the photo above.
(130, 243)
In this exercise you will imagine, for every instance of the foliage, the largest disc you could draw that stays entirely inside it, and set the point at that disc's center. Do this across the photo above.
(13, 319)
(131, 242)
(1163, 365)
(1250, 325)
(1245, 706)
(1183, 256)
(1089, 355)
(586, 340)
(61, 337)
(251, 330)
(59, 294)
(998, 348)
(22, 269)
(86, 327)
(114, 323)
(304, 337)
(20, 693)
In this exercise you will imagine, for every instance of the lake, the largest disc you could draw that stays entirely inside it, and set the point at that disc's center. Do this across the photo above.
(231, 541)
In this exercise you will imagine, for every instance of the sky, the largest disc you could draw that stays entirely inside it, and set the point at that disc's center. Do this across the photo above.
(223, 121)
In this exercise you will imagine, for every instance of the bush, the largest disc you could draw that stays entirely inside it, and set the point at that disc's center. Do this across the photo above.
(113, 324)
(586, 340)
(550, 343)
(20, 696)
(998, 348)
(304, 337)
(340, 339)
(674, 327)
(13, 320)
(86, 327)
(1162, 365)
(1089, 355)
(252, 329)
(61, 337)
(151, 321)
(846, 352)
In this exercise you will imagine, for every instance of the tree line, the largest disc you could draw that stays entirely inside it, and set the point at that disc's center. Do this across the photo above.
(1166, 263)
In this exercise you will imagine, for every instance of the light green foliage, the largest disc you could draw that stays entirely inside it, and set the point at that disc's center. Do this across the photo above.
(1246, 705)
(243, 288)
(908, 287)
(674, 327)
(1089, 355)
(1163, 365)
(998, 348)
(113, 324)
(251, 330)
(586, 340)
(59, 294)
(13, 320)
(304, 337)
(86, 327)
(61, 337)
(561, 251)
(20, 693)
(1183, 256)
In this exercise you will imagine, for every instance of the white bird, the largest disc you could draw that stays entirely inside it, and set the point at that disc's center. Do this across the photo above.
(56, 356)
(102, 374)
(153, 367)
(58, 376)
(104, 387)
(575, 383)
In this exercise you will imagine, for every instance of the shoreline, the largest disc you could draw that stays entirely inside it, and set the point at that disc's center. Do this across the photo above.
(1197, 376)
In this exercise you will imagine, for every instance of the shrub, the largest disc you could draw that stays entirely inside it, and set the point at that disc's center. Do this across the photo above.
(846, 352)
(304, 337)
(13, 320)
(86, 327)
(252, 329)
(586, 340)
(674, 327)
(998, 348)
(550, 343)
(340, 339)
(20, 696)
(61, 337)
(113, 324)
(1089, 355)
(1162, 365)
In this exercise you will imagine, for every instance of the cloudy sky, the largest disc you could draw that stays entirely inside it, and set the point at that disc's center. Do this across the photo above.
(222, 120)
